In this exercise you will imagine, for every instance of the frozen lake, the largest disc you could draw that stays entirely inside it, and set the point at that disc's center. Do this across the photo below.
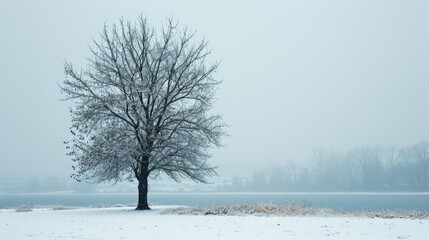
(346, 201)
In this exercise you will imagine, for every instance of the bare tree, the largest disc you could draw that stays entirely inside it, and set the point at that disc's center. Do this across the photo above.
(407, 165)
(421, 162)
(141, 106)
(326, 170)
(368, 159)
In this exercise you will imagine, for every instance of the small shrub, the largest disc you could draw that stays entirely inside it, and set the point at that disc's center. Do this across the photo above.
(59, 208)
(24, 209)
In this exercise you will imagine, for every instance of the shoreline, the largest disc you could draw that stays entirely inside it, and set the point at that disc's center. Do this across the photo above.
(362, 201)
(260, 210)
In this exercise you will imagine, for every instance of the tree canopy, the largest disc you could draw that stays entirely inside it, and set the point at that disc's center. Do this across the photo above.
(142, 106)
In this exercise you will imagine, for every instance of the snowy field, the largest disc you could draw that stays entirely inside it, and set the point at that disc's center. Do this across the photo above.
(125, 223)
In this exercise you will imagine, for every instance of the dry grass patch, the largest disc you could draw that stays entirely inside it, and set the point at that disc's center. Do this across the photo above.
(23, 209)
(290, 210)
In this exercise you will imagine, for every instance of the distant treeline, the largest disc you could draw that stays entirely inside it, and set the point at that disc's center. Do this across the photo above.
(366, 168)
(41, 185)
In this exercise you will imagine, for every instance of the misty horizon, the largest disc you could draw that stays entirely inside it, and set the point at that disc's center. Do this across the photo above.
(297, 77)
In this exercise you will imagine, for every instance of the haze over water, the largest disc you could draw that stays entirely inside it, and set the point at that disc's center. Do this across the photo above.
(297, 76)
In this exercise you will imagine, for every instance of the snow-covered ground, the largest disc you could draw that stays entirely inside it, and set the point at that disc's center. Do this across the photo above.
(125, 223)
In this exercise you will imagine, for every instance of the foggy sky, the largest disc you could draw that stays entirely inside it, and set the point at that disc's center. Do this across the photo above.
(297, 75)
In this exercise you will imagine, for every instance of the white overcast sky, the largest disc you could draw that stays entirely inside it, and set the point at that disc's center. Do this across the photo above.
(298, 75)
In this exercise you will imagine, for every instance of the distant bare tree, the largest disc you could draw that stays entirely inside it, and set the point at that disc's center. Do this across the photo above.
(369, 160)
(421, 162)
(391, 157)
(326, 169)
(407, 164)
(141, 106)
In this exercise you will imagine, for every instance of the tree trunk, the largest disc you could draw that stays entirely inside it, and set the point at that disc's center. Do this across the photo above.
(143, 188)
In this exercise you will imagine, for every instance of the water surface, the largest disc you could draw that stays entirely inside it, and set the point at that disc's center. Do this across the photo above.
(345, 201)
